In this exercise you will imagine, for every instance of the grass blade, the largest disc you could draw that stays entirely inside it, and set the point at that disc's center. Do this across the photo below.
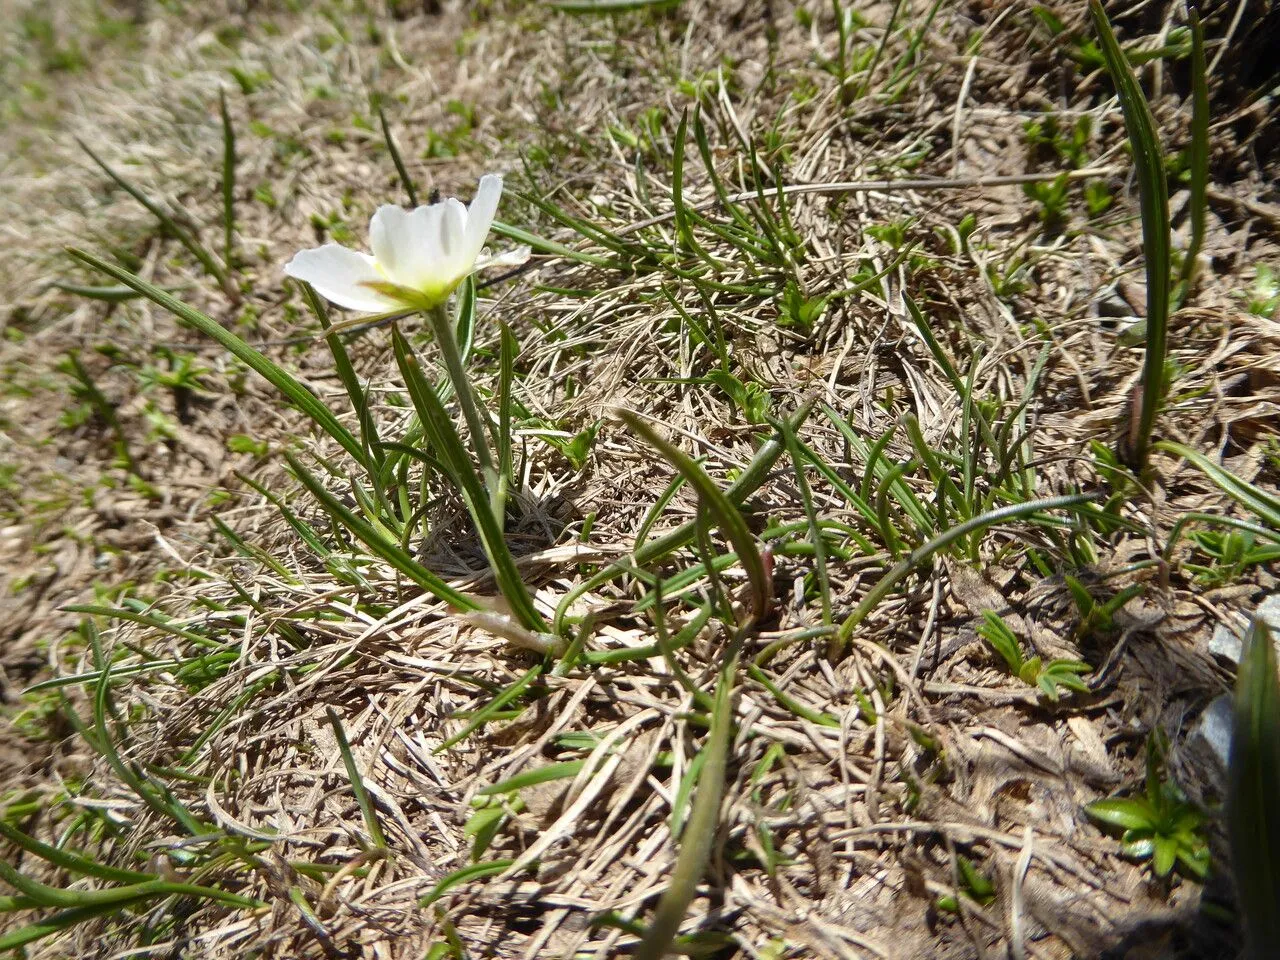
(924, 552)
(105, 294)
(1265, 505)
(1253, 801)
(476, 871)
(727, 515)
(405, 180)
(611, 6)
(542, 245)
(347, 374)
(506, 378)
(64, 920)
(294, 391)
(1199, 155)
(748, 482)
(699, 833)
(115, 896)
(153, 796)
(193, 246)
(552, 771)
(228, 178)
(392, 553)
(146, 620)
(1153, 185)
(811, 515)
(357, 782)
(482, 716)
(889, 27)
(68, 860)
(444, 438)
(303, 529)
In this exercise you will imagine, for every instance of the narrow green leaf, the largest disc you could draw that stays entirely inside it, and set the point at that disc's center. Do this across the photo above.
(465, 324)
(153, 795)
(483, 715)
(145, 619)
(69, 860)
(293, 390)
(699, 834)
(1153, 185)
(546, 774)
(155, 887)
(347, 374)
(1265, 505)
(444, 437)
(1129, 813)
(790, 703)
(228, 178)
(727, 515)
(1199, 203)
(303, 529)
(506, 380)
(193, 246)
(949, 368)
(1002, 639)
(811, 515)
(254, 552)
(647, 553)
(925, 552)
(1253, 795)
(405, 180)
(543, 245)
(65, 920)
(885, 34)
(377, 543)
(475, 871)
(611, 6)
(357, 781)
(105, 294)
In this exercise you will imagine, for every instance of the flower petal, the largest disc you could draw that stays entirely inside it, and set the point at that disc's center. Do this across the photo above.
(453, 226)
(339, 275)
(484, 206)
(405, 244)
(508, 258)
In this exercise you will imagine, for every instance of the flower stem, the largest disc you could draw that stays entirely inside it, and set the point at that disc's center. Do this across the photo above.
(447, 341)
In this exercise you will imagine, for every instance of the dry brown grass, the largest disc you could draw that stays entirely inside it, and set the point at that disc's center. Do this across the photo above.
(952, 757)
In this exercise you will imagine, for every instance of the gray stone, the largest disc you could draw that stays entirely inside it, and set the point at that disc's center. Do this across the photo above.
(1214, 728)
(1228, 644)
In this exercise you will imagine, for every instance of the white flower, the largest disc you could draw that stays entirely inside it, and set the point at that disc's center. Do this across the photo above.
(419, 257)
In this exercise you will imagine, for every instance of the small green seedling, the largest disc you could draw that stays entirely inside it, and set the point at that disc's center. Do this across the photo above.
(183, 373)
(1232, 552)
(751, 399)
(1264, 294)
(1160, 823)
(1069, 144)
(797, 311)
(1034, 672)
(973, 884)
(577, 448)
(1097, 197)
(1052, 198)
(1098, 618)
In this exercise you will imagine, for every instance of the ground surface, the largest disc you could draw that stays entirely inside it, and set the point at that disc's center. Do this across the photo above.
(866, 781)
